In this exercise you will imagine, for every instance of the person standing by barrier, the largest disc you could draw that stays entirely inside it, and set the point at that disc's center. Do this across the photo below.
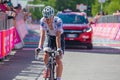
(117, 12)
(51, 31)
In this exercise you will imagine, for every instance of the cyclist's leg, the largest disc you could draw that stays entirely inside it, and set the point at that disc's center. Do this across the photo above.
(48, 43)
(46, 58)
(59, 66)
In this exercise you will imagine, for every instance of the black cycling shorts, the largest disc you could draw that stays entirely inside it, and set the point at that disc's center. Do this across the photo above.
(50, 41)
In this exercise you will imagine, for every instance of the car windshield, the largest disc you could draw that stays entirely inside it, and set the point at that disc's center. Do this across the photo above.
(73, 19)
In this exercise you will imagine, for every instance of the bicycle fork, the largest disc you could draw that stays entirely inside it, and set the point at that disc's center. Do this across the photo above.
(52, 68)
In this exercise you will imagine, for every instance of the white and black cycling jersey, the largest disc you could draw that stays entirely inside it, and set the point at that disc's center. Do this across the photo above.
(57, 25)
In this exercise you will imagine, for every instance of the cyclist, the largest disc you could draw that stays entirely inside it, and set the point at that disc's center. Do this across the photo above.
(51, 31)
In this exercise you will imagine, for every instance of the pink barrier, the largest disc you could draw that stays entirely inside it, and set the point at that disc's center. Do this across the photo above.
(7, 42)
(100, 30)
(8, 38)
(114, 31)
(17, 37)
(12, 35)
(107, 30)
(118, 34)
(3, 43)
(0, 45)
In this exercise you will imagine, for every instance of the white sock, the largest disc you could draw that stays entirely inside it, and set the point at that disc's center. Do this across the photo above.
(58, 78)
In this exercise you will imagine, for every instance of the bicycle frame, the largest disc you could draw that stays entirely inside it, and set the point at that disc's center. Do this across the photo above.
(51, 64)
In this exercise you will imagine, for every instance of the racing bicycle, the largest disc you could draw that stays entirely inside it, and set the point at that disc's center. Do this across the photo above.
(51, 62)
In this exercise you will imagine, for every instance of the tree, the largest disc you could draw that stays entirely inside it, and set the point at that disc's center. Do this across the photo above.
(36, 13)
(112, 7)
(93, 6)
(71, 4)
(109, 7)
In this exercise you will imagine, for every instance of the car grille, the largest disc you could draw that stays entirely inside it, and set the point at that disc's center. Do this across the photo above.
(72, 33)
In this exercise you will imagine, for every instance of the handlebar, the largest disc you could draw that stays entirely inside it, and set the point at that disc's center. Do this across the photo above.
(50, 51)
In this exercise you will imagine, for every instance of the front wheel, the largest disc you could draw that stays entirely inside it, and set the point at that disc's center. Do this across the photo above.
(51, 72)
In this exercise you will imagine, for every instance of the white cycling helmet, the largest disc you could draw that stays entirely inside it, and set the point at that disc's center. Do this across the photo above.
(48, 12)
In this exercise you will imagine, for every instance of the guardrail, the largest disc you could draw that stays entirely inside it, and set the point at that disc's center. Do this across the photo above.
(109, 19)
(5, 23)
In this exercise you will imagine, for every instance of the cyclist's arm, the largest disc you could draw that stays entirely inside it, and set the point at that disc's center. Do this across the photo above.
(42, 33)
(42, 38)
(58, 33)
(58, 39)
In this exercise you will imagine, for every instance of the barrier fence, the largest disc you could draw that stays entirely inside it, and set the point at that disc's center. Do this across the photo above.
(107, 27)
(6, 41)
(0, 45)
(11, 36)
(109, 19)
(107, 30)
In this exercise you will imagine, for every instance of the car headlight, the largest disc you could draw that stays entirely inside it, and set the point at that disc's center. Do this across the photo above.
(87, 29)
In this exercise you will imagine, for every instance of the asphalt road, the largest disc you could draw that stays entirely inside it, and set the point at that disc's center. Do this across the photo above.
(96, 64)
(80, 64)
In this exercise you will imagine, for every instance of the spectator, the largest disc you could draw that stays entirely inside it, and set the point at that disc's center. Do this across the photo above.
(117, 12)
(18, 8)
(29, 18)
(11, 12)
(4, 6)
(96, 18)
